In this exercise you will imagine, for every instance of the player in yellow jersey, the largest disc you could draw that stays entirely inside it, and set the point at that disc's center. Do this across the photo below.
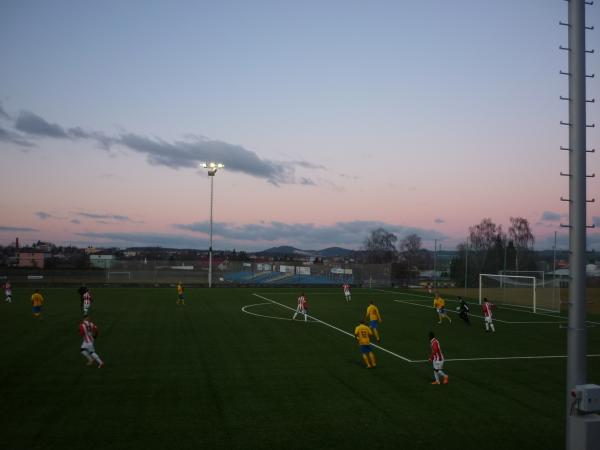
(36, 303)
(374, 319)
(440, 306)
(180, 296)
(363, 335)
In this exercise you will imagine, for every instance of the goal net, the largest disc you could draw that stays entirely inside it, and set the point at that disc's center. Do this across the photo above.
(519, 291)
(118, 276)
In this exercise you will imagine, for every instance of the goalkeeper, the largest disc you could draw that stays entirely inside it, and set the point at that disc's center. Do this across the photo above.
(463, 310)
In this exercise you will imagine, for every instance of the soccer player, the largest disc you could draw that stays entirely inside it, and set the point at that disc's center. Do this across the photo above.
(346, 288)
(81, 291)
(437, 358)
(87, 302)
(36, 302)
(7, 292)
(180, 296)
(302, 307)
(363, 335)
(463, 310)
(89, 332)
(487, 315)
(374, 319)
(440, 306)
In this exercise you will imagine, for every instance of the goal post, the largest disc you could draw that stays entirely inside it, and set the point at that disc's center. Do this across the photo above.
(118, 276)
(511, 290)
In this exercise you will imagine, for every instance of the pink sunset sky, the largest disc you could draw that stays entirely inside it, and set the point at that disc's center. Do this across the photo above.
(332, 119)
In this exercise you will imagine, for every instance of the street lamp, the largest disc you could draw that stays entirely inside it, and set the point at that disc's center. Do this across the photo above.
(212, 168)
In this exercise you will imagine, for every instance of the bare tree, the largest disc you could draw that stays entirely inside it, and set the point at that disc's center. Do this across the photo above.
(410, 249)
(521, 236)
(380, 246)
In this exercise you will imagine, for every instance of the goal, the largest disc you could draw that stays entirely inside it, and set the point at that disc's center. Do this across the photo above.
(519, 291)
(118, 276)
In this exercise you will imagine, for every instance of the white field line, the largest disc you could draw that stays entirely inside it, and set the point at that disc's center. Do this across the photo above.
(263, 315)
(501, 358)
(554, 316)
(403, 358)
(472, 315)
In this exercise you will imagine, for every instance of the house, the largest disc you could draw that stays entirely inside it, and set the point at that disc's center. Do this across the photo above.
(31, 257)
(102, 261)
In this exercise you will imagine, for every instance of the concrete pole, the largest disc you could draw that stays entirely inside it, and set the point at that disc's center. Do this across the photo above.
(576, 335)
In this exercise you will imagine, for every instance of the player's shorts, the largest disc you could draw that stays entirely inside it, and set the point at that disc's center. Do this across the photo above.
(373, 323)
(180, 297)
(88, 347)
(438, 365)
(364, 349)
(441, 310)
(36, 309)
(488, 319)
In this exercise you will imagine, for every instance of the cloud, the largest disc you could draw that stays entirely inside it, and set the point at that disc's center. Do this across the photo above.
(75, 221)
(4, 114)
(147, 239)
(552, 216)
(43, 215)
(439, 220)
(101, 218)
(33, 124)
(17, 229)
(596, 221)
(14, 138)
(349, 234)
(186, 153)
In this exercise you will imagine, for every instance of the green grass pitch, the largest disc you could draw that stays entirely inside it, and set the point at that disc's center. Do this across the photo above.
(230, 370)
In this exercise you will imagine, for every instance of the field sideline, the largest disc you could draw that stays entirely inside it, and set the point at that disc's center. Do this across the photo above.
(230, 370)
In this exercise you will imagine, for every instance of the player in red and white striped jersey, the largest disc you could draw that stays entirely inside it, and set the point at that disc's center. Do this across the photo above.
(87, 302)
(437, 358)
(89, 332)
(487, 314)
(302, 307)
(346, 288)
(7, 292)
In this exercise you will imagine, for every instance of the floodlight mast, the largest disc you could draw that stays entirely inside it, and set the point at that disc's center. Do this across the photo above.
(212, 168)
(576, 431)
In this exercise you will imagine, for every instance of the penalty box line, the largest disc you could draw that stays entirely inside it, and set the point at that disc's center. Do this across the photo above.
(404, 302)
(403, 358)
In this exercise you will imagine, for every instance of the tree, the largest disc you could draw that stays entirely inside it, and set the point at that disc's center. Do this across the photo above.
(486, 246)
(522, 238)
(380, 246)
(410, 248)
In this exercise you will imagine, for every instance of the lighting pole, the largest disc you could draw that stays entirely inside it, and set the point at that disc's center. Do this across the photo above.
(466, 264)
(434, 264)
(212, 168)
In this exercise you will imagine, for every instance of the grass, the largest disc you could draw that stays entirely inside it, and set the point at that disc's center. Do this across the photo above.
(208, 375)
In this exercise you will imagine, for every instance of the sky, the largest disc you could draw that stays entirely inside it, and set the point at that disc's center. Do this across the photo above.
(332, 118)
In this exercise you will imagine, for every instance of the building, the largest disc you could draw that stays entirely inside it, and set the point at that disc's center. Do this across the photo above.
(30, 257)
(102, 261)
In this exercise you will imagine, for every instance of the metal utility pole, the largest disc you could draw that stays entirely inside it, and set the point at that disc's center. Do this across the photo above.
(554, 274)
(434, 264)
(212, 170)
(466, 264)
(576, 428)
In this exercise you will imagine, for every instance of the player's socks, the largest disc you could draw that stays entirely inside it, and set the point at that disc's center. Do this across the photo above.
(376, 332)
(306, 317)
(492, 326)
(97, 358)
(445, 379)
(373, 360)
(366, 360)
(487, 327)
(295, 314)
(437, 377)
(449, 319)
(87, 356)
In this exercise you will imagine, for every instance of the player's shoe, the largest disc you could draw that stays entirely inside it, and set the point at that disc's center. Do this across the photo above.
(445, 379)
(101, 365)
(435, 382)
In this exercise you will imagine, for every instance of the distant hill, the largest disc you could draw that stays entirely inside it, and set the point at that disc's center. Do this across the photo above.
(290, 251)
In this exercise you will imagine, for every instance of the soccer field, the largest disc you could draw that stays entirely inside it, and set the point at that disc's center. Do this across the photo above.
(230, 370)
